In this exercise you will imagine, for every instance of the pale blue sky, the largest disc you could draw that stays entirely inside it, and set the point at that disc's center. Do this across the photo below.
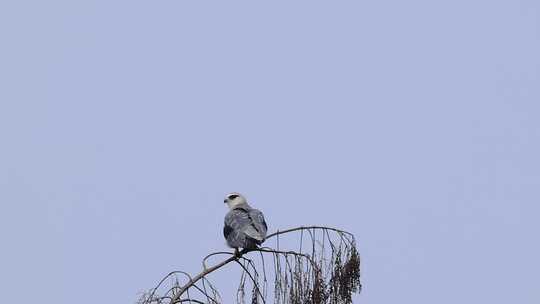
(413, 124)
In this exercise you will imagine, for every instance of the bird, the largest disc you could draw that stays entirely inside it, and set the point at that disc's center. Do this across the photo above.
(244, 226)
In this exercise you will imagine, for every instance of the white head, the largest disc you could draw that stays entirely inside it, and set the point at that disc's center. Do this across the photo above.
(234, 199)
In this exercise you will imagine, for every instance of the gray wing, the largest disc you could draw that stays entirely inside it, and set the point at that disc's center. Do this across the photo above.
(233, 230)
(258, 222)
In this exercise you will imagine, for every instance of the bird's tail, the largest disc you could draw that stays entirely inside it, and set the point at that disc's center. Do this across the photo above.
(252, 243)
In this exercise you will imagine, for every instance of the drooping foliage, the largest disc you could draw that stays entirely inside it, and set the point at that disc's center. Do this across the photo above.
(323, 267)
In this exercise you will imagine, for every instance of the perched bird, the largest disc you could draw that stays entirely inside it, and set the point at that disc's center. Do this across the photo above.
(245, 226)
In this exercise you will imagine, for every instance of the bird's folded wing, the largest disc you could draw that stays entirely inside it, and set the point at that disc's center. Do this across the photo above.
(259, 223)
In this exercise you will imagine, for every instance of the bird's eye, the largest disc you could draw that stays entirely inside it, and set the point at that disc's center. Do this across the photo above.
(233, 196)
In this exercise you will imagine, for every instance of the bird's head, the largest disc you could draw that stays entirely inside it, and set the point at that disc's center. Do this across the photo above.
(234, 199)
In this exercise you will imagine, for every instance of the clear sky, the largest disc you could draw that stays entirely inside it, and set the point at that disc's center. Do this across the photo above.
(413, 124)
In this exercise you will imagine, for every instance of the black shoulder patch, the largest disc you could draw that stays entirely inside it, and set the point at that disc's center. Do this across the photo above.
(227, 230)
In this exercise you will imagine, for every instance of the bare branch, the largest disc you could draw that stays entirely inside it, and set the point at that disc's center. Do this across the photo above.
(328, 273)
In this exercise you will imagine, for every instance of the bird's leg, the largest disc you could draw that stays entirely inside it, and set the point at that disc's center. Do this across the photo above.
(236, 253)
